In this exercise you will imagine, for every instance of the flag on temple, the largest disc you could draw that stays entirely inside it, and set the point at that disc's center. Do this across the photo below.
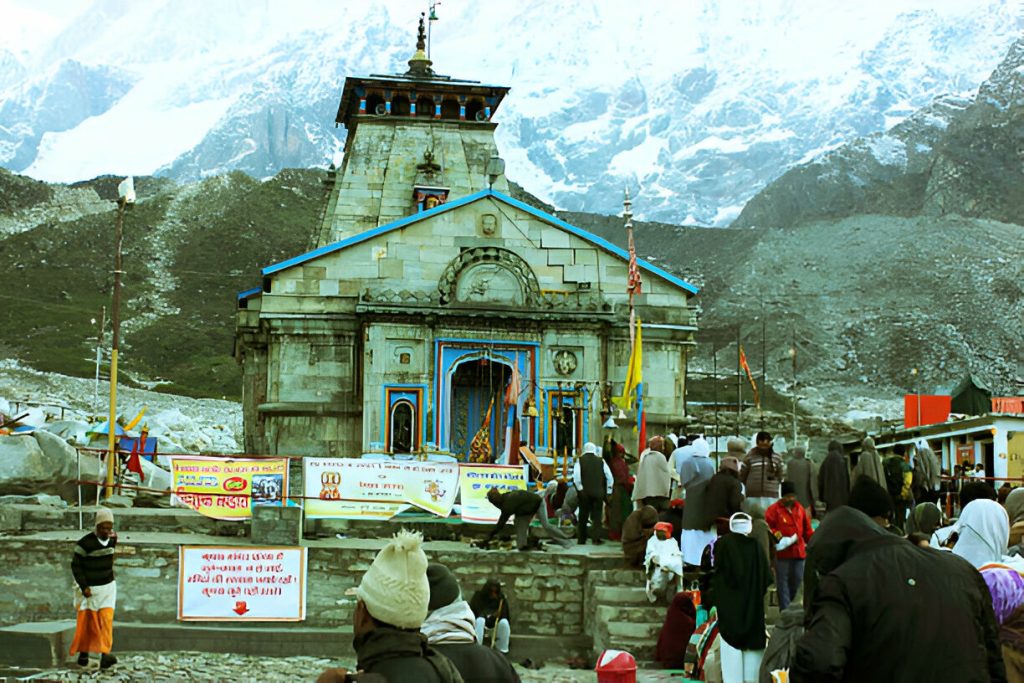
(634, 372)
(750, 376)
(480, 447)
(634, 284)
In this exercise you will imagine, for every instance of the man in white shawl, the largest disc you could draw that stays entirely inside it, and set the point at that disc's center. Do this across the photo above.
(663, 563)
(450, 628)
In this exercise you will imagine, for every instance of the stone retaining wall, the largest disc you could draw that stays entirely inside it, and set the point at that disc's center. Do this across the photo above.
(546, 591)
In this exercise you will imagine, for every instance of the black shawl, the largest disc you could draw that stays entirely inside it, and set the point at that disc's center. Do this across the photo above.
(742, 576)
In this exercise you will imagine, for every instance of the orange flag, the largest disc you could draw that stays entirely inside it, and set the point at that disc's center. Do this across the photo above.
(750, 376)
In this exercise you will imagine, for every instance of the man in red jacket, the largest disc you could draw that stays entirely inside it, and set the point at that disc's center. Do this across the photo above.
(792, 527)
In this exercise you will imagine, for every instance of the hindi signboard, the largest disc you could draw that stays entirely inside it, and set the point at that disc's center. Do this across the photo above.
(227, 489)
(475, 480)
(347, 488)
(241, 583)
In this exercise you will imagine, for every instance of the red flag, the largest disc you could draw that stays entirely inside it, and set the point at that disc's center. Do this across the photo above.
(134, 462)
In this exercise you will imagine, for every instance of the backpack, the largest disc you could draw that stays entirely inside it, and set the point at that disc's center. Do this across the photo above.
(893, 469)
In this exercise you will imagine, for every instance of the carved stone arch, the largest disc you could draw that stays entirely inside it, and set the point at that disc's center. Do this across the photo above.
(489, 275)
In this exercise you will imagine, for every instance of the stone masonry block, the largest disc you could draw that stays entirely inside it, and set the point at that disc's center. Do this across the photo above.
(585, 257)
(560, 257)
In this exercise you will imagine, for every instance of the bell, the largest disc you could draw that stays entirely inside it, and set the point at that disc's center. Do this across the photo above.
(610, 424)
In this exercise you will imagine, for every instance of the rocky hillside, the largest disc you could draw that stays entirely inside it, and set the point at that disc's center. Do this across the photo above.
(188, 250)
(962, 156)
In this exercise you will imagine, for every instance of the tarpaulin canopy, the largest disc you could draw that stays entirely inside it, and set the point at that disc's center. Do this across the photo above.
(971, 397)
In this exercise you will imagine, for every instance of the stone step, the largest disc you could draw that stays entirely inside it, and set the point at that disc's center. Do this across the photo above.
(633, 630)
(634, 614)
(616, 577)
(626, 595)
(642, 649)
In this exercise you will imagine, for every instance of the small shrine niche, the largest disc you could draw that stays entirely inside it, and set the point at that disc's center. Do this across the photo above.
(429, 190)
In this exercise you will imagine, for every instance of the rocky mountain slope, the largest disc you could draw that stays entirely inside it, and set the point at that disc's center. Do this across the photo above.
(732, 97)
(959, 155)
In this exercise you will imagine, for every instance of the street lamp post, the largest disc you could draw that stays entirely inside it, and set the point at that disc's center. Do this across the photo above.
(125, 200)
(792, 356)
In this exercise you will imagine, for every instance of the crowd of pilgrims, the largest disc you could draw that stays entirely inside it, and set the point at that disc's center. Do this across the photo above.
(887, 570)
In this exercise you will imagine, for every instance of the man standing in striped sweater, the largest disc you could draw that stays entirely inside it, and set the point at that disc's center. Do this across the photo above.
(96, 593)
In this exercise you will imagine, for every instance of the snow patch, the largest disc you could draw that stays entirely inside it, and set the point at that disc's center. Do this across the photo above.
(887, 150)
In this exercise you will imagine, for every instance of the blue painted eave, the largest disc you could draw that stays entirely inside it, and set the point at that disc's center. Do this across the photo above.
(249, 293)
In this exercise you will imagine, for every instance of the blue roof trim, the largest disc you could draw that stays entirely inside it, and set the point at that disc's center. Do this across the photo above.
(370, 234)
(596, 241)
(599, 242)
(249, 292)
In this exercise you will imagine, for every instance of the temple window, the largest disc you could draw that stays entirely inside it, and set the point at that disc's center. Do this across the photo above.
(475, 111)
(450, 109)
(400, 105)
(375, 104)
(424, 106)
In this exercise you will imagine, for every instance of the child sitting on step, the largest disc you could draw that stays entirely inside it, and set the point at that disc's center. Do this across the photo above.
(663, 563)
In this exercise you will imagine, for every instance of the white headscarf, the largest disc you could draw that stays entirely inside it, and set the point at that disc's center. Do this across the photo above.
(984, 529)
(701, 447)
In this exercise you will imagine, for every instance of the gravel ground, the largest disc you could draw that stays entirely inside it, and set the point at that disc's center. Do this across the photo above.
(167, 667)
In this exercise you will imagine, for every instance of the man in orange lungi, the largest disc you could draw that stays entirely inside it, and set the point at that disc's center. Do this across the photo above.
(96, 594)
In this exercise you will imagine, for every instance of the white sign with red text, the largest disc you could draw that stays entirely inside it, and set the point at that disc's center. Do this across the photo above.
(241, 583)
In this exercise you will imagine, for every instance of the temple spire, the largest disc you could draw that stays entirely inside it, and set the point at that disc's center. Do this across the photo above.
(419, 65)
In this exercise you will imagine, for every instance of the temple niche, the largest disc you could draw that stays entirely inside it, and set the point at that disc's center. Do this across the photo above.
(427, 290)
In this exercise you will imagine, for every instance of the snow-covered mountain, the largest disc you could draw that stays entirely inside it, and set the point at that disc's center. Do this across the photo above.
(700, 104)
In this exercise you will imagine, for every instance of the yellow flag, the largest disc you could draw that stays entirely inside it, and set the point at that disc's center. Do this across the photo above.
(634, 373)
(131, 425)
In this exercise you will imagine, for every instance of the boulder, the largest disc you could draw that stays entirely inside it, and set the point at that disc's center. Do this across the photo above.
(44, 463)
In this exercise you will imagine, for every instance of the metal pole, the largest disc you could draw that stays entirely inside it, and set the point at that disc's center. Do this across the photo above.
(78, 462)
(714, 397)
(764, 364)
(792, 353)
(108, 489)
(739, 386)
(99, 355)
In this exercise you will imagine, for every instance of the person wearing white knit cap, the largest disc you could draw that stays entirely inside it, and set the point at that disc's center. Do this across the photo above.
(393, 597)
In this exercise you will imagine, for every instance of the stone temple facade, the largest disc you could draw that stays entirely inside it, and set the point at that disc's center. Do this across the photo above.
(428, 287)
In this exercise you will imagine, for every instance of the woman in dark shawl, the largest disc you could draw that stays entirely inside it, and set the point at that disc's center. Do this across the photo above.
(636, 530)
(834, 477)
(680, 621)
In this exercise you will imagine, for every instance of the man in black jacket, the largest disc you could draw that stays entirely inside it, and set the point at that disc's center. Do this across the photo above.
(593, 480)
(887, 610)
(522, 504)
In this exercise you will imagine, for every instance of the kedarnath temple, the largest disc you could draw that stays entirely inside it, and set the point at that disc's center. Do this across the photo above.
(429, 290)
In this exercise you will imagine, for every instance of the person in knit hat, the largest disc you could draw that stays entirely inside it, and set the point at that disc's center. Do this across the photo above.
(763, 472)
(393, 601)
(723, 496)
(92, 565)
(450, 629)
